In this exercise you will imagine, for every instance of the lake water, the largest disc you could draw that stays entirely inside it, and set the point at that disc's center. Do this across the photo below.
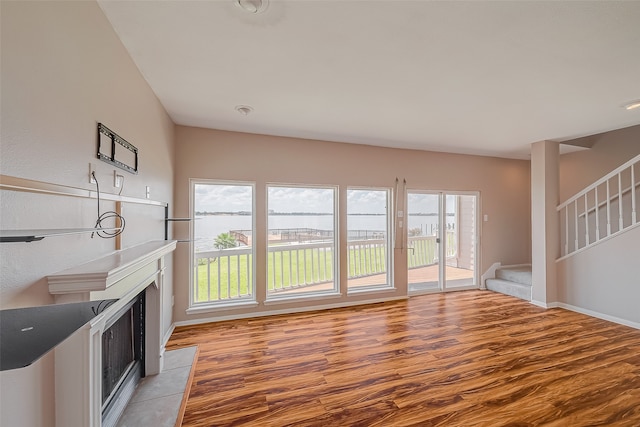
(210, 226)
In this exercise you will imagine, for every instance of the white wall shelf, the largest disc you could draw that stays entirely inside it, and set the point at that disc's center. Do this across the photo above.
(11, 236)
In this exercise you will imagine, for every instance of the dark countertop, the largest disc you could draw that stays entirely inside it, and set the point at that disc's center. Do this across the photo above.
(27, 334)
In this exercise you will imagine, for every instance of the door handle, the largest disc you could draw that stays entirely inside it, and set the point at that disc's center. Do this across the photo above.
(437, 240)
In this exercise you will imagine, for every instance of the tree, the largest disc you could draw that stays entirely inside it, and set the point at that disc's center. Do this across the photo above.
(224, 241)
(415, 231)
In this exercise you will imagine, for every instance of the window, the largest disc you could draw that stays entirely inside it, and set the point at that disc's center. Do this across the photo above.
(223, 250)
(302, 235)
(368, 239)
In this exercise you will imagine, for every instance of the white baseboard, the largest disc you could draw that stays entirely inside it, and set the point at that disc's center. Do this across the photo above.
(588, 312)
(286, 311)
(166, 337)
(489, 274)
(599, 315)
(542, 304)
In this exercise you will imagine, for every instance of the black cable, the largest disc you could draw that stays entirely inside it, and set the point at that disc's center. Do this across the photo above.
(106, 234)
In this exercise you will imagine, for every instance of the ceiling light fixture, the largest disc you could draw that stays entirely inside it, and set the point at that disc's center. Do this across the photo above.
(632, 105)
(244, 109)
(253, 6)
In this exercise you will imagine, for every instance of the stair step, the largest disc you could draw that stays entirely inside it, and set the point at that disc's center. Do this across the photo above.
(519, 274)
(507, 287)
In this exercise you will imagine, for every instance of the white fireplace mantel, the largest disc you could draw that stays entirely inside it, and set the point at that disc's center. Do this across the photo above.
(120, 275)
(103, 274)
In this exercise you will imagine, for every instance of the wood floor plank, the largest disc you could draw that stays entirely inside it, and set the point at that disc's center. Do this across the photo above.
(470, 358)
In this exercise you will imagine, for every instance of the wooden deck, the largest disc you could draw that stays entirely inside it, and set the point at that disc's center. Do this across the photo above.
(425, 276)
(472, 358)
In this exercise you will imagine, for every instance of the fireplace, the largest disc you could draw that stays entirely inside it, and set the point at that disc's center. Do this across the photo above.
(97, 368)
(122, 359)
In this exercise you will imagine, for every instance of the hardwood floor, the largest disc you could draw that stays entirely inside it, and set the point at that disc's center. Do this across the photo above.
(472, 358)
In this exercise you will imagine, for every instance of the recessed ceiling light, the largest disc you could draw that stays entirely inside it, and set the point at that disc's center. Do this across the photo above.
(244, 109)
(632, 105)
(253, 6)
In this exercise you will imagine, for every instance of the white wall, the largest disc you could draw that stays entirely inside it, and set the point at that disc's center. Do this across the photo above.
(64, 70)
(544, 221)
(604, 278)
(580, 169)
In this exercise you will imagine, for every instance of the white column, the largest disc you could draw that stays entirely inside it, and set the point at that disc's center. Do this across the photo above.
(545, 229)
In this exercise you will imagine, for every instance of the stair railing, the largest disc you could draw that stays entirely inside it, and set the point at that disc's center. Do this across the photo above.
(607, 207)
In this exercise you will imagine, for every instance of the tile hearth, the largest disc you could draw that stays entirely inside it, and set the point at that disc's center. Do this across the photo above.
(158, 399)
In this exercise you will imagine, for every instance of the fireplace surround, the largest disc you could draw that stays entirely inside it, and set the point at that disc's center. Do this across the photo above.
(122, 359)
(122, 275)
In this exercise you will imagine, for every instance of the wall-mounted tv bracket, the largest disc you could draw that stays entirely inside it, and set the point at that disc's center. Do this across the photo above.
(111, 144)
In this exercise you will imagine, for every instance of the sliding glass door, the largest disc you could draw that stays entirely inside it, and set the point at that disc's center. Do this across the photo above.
(441, 241)
(423, 241)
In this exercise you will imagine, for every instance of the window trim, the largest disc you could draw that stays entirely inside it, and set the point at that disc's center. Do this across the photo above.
(389, 285)
(273, 297)
(206, 306)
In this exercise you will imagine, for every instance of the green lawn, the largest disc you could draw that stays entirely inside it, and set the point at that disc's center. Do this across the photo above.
(286, 269)
(292, 268)
(227, 267)
(366, 260)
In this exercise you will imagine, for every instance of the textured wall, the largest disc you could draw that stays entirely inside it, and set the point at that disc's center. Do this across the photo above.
(605, 278)
(503, 185)
(64, 70)
(610, 150)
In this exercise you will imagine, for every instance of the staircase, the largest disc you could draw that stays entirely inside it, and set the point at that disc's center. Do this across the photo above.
(514, 281)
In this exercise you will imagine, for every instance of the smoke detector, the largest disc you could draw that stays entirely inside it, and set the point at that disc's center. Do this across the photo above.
(252, 6)
(244, 109)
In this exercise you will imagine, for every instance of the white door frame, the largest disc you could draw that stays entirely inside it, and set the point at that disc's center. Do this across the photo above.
(442, 246)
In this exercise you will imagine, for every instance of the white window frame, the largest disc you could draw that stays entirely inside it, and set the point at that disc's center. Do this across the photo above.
(273, 297)
(208, 306)
(389, 285)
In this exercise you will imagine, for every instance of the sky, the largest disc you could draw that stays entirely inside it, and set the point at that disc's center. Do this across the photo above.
(237, 197)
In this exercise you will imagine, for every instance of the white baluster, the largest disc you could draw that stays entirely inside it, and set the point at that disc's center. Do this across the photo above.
(219, 286)
(597, 216)
(608, 210)
(586, 220)
(575, 206)
(281, 268)
(620, 221)
(238, 276)
(229, 276)
(566, 230)
(197, 282)
(290, 268)
(633, 196)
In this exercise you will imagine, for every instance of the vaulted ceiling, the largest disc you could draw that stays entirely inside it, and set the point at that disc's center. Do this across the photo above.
(473, 77)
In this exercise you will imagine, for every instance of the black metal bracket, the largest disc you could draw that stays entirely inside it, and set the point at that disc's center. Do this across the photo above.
(114, 141)
(167, 220)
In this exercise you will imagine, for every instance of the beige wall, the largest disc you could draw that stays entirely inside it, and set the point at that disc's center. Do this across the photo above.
(604, 279)
(209, 154)
(610, 150)
(544, 221)
(64, 70)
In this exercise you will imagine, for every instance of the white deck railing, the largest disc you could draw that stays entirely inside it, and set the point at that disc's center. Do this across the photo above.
(605, 208)
(423, 251)
(225, 274)
(297, 265)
